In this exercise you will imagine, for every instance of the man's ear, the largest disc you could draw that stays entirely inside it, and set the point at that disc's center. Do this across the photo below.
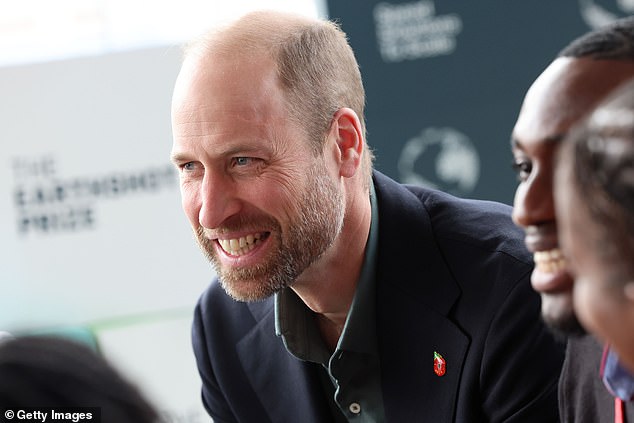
(346, 128)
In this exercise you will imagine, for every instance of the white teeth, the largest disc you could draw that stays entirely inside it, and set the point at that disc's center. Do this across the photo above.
(550, 261)
(240, 246)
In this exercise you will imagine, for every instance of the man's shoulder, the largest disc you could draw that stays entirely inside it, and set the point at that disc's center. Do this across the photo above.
(477, 224)
(482, 224)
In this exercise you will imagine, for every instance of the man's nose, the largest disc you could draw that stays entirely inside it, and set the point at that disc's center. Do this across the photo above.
(533, 204)
(219, 200)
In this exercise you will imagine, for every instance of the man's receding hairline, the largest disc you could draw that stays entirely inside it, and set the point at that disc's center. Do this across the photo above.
(258, 32)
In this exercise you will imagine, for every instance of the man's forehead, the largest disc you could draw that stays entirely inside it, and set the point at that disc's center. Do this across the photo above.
(579, 82)
(565, 93)
(209, 89)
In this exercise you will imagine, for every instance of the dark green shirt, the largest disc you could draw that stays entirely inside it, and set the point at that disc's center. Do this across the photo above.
(351, 375)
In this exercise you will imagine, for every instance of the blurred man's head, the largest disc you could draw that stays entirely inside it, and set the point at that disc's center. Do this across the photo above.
(594, 199)
(571, 87)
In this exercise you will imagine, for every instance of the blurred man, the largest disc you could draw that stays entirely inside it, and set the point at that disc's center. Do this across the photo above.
(598, 164)
(574, 83)
(342, 295)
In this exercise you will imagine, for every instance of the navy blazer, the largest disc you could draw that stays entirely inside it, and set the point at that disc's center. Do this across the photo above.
(452, 278)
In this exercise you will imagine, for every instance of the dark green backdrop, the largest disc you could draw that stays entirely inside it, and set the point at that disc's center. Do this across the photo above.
(445, 80)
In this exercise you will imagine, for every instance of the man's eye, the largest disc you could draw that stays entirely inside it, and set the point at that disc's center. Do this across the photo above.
(523, 168)
(189, 166)
(242, 161)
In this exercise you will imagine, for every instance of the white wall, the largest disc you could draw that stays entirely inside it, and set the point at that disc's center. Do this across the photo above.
(119, 263)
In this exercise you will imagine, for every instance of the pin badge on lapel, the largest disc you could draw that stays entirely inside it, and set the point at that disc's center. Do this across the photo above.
(440, 365)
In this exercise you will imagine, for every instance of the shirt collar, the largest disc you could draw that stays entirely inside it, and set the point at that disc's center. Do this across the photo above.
(618, 380)
(359, 331)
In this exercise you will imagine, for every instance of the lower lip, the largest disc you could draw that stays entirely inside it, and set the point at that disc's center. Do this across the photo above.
(551, 282)
(245, 258)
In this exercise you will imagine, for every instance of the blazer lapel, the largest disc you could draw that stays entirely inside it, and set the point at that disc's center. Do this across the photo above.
(410, 334)
(415, 292)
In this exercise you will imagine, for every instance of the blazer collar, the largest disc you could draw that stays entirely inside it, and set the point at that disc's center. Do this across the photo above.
(409, 260)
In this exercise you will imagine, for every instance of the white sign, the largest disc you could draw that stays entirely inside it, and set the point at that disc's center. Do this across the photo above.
(410, 31)
(93, 235)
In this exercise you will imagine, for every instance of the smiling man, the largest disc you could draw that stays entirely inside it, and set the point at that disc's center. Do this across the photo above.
(583, 74)
(341, 295)
(264, 208)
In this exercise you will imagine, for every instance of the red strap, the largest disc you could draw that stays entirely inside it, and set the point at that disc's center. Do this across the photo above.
(619, 411)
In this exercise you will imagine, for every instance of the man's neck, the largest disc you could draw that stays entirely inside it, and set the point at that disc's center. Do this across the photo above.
(329, 285)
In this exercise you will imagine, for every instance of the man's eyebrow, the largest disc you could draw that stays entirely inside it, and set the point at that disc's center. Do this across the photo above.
(178, 157)
(553, 139)
(231, 150)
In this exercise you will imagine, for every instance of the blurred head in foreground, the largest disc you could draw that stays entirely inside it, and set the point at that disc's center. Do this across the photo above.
(39, 371)
(594, 199)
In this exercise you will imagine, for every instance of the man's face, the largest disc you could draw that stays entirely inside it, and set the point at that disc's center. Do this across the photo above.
(600, 265)
(562, 95)
(262, 205)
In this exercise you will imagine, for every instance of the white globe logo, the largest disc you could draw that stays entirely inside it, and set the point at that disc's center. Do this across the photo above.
(595, 15)
(456, 164)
